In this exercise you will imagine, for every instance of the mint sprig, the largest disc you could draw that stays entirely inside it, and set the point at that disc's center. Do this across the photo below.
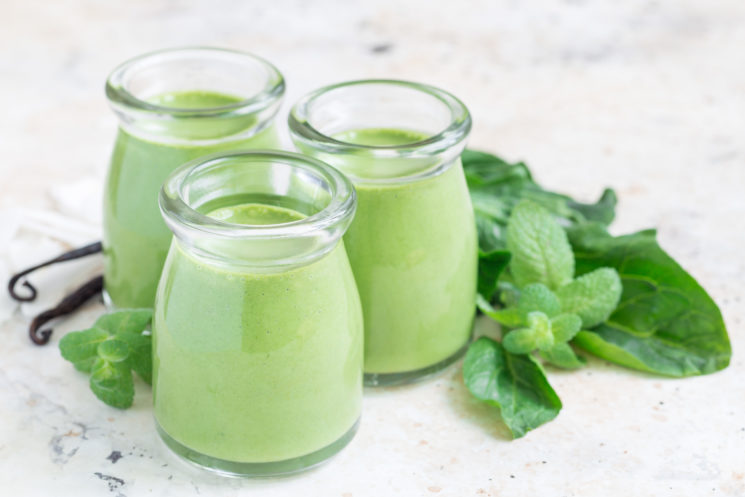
(545, 306)
(117, 344)
(637, 307)
(552, 306)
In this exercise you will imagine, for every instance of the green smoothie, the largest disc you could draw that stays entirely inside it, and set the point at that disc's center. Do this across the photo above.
(412, 246)
(136, 239)
(256, 366)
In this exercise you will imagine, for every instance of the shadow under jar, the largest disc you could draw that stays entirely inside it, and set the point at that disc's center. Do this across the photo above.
(173, 106)
(257, 331)
(413, 244)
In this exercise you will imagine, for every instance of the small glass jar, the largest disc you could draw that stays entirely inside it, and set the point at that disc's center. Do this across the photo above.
(257, 331)
(173, 106)
(413, 245)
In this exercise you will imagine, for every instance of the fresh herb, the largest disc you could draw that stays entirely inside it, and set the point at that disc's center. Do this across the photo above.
(496, 187)
(516, 384)
(117, 344)
(552, 276)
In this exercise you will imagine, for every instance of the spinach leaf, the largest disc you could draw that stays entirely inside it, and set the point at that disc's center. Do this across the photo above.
(496, 186)
(665, 322)
(491, 265)
(516, 384)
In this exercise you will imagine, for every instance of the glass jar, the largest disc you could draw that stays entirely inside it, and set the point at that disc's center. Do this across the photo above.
(413, 245)
(257, 331)
(173, 106)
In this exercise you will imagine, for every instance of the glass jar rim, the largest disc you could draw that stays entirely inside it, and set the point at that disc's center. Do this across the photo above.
(455, 132)
(183, 217)
(118, 94)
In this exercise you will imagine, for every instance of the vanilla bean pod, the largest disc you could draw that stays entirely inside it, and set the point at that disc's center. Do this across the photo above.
(67, 256)
(68, 305)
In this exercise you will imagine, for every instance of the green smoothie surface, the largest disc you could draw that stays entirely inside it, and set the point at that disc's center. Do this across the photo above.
(194, 100)
(255, 214)
(380, 137)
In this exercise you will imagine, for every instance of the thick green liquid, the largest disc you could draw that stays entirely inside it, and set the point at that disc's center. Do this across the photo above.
(136, 239)
(257, 366)
(412, 246)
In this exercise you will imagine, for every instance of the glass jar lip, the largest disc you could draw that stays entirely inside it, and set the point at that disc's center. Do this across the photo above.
(455, 132)
(118, 94)
(179, 214)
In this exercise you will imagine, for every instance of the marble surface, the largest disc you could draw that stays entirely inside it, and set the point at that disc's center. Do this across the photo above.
(645, 96)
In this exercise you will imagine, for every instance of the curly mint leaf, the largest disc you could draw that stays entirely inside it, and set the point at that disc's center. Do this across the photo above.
(565, 326)
(538, 297)
(125, 321)
(113, 350)
(665, 322)
(540, 325)
(540, 250)
(140, 357)
(112, 383)
(561, 355)
(114, 347)
(592, 296)
(516, 384)
(520, 341)
(80, 347)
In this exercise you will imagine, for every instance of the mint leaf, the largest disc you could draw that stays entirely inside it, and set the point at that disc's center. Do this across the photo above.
(112, 383)
(114, 347)
(125, 321)
(537, 297)
(561, 355)
(140, 357)
(537, 335)
(520, 341)
(592, 296)
(113, 350)
(540, 325)
(665, 322)
(565, 326)
(540, 250)
(80, 347)
(516, 384)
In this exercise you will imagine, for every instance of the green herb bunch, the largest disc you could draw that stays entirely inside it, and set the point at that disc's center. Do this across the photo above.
(116, 345)
(554, 279)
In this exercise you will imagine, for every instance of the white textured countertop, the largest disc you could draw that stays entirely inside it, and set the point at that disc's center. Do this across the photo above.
(645, 96)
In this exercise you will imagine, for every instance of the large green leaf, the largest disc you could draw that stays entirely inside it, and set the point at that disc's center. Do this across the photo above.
(665, 322)
(496, 186)
(491, 265)
(515, 384)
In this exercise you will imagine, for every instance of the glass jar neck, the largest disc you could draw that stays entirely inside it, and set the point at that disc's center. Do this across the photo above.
(381, 131)
(319, 201)
(195, 96)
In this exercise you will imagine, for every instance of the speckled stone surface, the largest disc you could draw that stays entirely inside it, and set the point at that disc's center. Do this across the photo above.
(645, 96)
